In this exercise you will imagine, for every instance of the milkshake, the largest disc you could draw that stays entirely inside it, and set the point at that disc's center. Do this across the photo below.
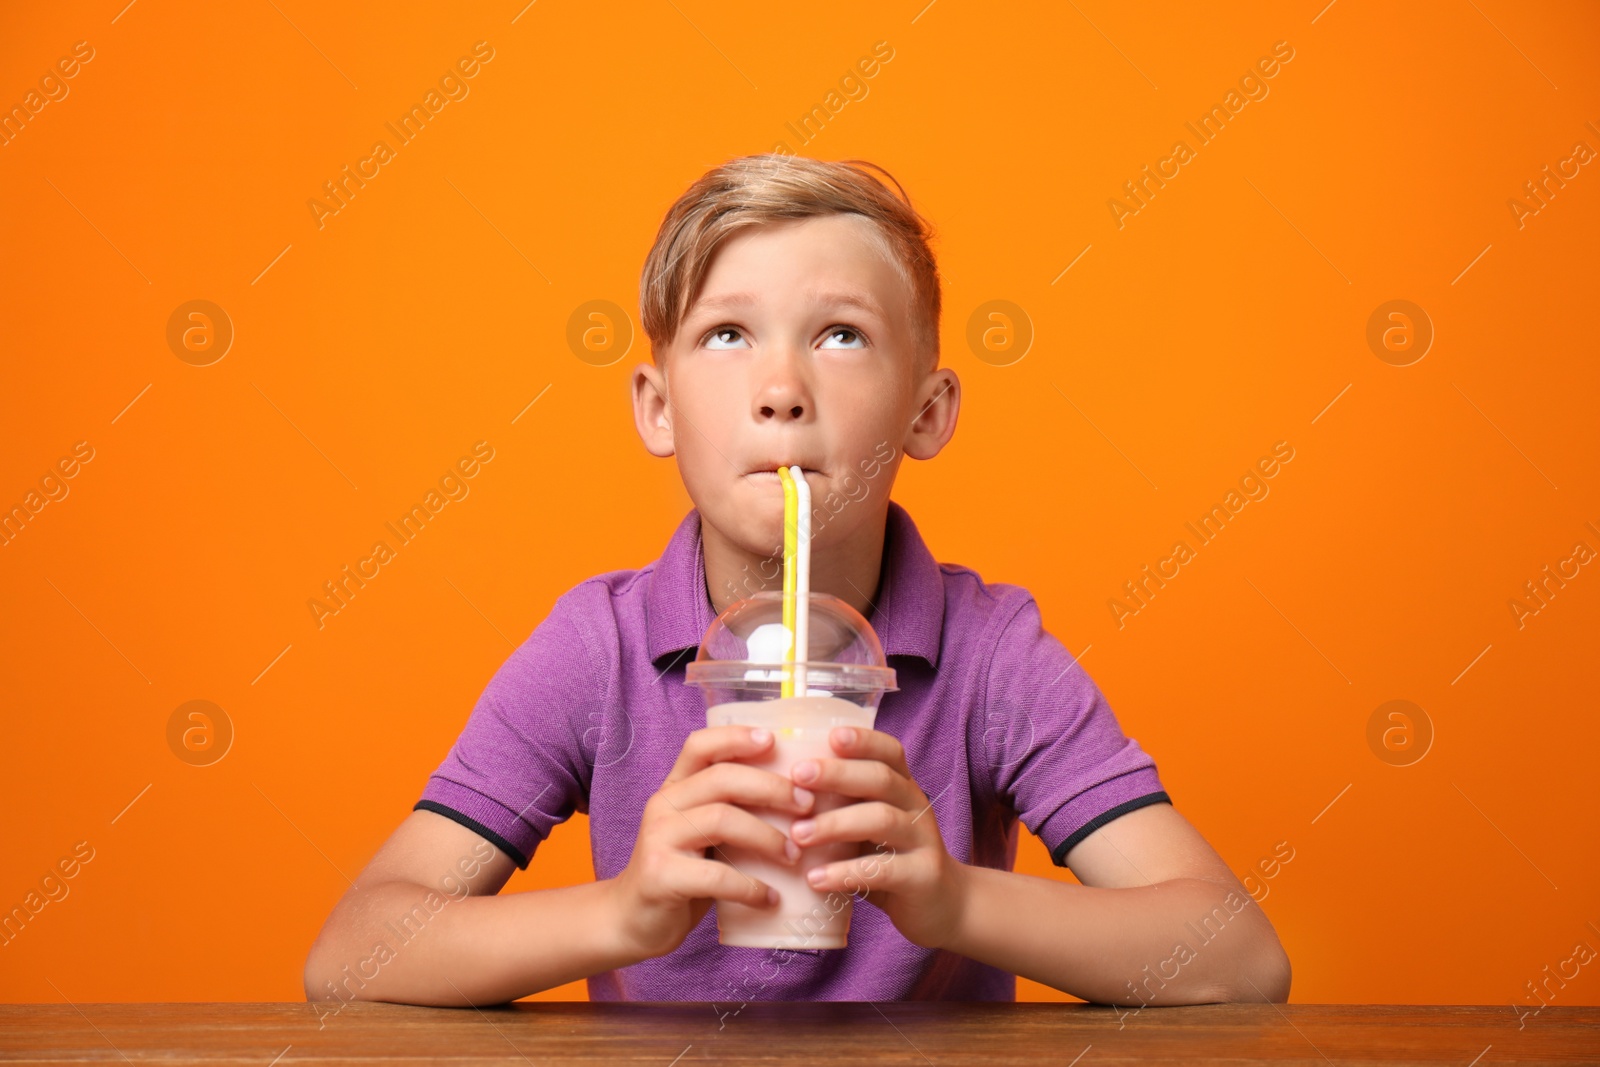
(806, 917)
(742, 670)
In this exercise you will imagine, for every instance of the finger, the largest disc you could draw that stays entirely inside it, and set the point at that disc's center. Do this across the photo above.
(715, 825)
(872, 822)
(856, 743)
(864, 779)
(694, 879)
(711, 744)
(742, 784)
(863, 875)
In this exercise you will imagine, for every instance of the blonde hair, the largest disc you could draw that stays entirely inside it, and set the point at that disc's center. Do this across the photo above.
(755, 190)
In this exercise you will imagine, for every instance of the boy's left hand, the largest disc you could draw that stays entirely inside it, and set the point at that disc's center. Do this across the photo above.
(904, 866)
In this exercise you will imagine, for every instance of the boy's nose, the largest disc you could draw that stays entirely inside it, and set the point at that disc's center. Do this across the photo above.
(783, 396)
(780, 413)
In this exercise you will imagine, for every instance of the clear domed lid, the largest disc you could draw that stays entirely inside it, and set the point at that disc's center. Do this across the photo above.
(744, 648)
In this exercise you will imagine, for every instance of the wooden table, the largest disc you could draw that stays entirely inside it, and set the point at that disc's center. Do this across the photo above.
(882, 1034)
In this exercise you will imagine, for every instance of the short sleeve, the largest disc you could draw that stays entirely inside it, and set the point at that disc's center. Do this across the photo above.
(520, 765)
(1053, 747)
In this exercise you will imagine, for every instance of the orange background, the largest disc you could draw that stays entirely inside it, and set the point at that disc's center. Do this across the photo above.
(1227, 315)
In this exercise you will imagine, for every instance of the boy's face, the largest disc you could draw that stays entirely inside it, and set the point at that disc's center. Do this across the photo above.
(797, 350)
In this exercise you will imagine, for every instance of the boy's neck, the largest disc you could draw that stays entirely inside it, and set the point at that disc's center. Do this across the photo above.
(849, 570)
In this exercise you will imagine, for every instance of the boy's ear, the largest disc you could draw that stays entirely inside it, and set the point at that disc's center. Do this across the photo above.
(938, 402)
(650, 410)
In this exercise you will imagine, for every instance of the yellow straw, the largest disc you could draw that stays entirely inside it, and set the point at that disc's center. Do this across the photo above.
(791, 527)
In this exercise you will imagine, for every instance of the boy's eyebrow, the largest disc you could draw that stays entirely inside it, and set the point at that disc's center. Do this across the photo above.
(842, 298)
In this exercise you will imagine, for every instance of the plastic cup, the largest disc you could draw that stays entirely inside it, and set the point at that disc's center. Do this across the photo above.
(740, 667)
(804, 917)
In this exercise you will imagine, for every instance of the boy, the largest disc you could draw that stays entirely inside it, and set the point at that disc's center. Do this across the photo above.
(793, 312)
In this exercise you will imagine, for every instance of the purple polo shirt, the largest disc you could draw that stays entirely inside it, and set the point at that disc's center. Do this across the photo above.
(999, 724)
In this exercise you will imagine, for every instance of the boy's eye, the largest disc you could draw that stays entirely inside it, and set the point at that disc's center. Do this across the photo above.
(727, 337)
(718, 340)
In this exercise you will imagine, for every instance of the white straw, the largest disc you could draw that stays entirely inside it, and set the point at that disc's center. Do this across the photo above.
(802, 583)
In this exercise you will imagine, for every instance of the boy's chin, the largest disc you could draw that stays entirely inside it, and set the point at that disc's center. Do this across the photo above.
(747, 529)
(750, 535)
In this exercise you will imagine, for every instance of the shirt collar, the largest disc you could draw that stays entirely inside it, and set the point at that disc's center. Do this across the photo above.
(908, 615)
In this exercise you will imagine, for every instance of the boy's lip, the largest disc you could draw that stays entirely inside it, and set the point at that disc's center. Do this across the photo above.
(772, 472)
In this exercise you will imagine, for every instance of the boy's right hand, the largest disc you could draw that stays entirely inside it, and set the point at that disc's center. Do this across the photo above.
(669, 883)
